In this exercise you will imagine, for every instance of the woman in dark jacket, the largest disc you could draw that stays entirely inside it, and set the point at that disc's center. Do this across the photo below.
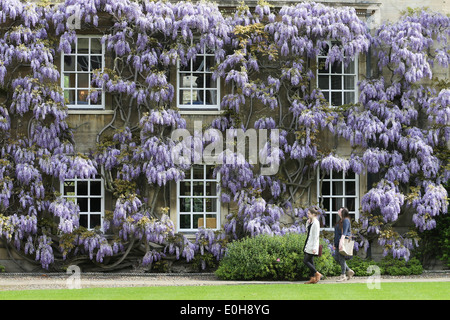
(342, 227)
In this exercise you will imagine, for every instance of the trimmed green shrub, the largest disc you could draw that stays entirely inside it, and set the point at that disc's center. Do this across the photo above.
(267, 257)
(388, 266)
(400, 267)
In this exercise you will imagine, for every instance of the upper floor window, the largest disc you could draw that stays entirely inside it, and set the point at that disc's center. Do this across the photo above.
(337, 81)
(77, 69)
(198, 199)
(196, 87)
(88, 194)
(338, 190)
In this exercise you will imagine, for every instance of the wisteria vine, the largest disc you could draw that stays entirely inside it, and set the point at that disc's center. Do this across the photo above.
(266, 59)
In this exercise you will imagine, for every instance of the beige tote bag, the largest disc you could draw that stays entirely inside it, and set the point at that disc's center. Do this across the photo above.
(346, 245)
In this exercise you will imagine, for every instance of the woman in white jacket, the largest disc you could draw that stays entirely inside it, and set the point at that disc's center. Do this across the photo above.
(311, 248)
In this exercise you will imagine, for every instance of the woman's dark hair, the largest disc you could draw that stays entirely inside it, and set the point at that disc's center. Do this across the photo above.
(345, 215)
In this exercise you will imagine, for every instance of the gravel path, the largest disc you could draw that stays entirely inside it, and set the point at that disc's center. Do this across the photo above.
(15, 281)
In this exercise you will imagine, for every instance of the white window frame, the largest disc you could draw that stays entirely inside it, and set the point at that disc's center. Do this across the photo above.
(88, 105)
(202, 197)
(343, 196)
(89, 196)
(342, 74)
(191, 87)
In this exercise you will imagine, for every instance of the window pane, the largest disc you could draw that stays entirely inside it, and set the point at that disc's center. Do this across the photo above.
(69, 96)
(96, 46)
(185, 188)
(185, 97)
(198, 96)
(211, 97)
(349, 97)
(96, 62)
(197, 204)
(198, 188)
(199, 64)
(82, 63)
(337, 175)
(83, 204)
(211, 205)
(336, 204)
(211, 221)
(209, 63)
(211, 188)
(69, 188)
(185, 204)
(198, 80)
(96, 188)
(185, 80)
(322, 66)
(349, 175)
(82, 97)
(338, 188)
(326, 204)
(210, 82)
(349, 82)
(334, 219)
(196, 221)
(198, 172)
(83, 45)
(187, 174)
(185, 221)
(350, 69)
(336, 67)
(82, 187)
(83, 80)
(96, 205)
(69, 63)
(84, 220)
(336, 98)
(95, 220)
(350, 204)
(324, 50)
(210, 172)
(350, 188)
(336, 82)
(69, 80)
(324, 82)
(325, 188)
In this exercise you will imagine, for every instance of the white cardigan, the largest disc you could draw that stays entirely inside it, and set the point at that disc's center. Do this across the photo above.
(312, 243)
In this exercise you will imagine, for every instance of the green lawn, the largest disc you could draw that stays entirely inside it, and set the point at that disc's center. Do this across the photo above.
(388, 291)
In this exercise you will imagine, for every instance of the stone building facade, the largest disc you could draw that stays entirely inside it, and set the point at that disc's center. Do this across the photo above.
(194, 202)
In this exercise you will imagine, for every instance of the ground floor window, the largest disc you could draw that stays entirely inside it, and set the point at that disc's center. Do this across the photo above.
(198, 199)
(89, 195)
(336, 190)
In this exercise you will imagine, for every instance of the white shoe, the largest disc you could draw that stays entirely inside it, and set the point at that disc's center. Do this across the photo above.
(342, 277)
(350, 274)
